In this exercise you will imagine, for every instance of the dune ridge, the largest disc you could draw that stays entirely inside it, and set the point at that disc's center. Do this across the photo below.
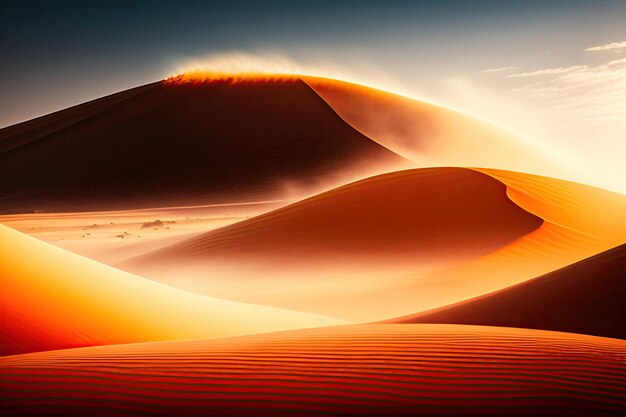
(348, 370)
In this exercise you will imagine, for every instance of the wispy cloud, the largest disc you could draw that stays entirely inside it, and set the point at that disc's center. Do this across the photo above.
(588, 95)
(499, 69)
(548, 71)
(608, 46)
(580, 108)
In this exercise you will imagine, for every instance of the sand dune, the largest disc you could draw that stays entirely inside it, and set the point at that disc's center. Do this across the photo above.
(224, 156)
(579, 222)
(52, 299)
(586, 297)
(347, 370)
(404, 243)
(421, 214)
(335, 250)
(172, 144)
(431, 135)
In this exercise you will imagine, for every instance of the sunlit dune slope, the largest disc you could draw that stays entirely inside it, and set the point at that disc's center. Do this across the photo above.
(326, 252)
(588, 213)
(348, 370)
(172, 144)
(579, 222)
(52, 299)
(431, 135)
(586, 297)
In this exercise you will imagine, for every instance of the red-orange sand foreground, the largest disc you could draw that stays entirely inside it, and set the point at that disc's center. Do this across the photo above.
(376, 369)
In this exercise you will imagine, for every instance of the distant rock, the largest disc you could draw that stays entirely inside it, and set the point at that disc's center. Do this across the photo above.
(154, 224)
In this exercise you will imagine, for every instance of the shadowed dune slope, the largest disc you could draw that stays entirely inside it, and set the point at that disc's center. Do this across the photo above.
(172, 144)
(53, 299)
(427, 214)
(586, 297)
(348, 370)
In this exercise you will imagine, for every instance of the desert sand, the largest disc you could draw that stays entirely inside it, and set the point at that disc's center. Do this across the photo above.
(53, 299)
(111, 237)
(338, 252)
(260, 215)
(359, 370)
(436, 214)
(431, 135)
(173, 144)
(586, 297)
(397, 243)
(579, 221)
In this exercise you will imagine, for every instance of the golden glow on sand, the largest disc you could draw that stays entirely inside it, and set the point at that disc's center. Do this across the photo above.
(52, 299)
(579, 221)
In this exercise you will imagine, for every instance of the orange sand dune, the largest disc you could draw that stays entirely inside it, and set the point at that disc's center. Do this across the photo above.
(172, 144)
(579, 222)
(338, 243)
(431, 135)
(586, 297)
(349, 370)
(52, 299)
(414, 213)
(388, 246)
